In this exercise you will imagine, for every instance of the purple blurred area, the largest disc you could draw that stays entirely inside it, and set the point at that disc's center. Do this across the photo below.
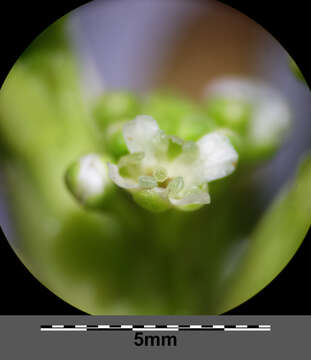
(182, 45)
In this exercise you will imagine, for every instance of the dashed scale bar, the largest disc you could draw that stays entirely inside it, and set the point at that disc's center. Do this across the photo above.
(155, 327)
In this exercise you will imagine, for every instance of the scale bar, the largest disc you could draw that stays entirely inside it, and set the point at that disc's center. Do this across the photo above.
(127, 327)
(246, 329)
(64, 329)
(155, 329)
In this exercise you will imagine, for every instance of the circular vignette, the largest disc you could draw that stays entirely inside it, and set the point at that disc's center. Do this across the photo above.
(119, 258)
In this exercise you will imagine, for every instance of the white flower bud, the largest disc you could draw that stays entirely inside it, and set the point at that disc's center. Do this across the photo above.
(88, 179)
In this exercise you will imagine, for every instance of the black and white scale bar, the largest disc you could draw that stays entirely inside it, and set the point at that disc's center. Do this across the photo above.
(205, 327)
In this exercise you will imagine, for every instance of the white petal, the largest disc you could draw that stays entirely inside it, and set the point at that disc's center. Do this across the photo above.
(138, 133)
(113, 172)
(217, 158)
(92, 176)
(238, 88)
(270, 123)
(161, 192)
(201, 198)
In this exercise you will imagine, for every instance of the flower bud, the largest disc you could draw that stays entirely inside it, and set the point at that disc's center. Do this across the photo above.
(115, 106)
(252, 109)
(229, 112)
(88, 181)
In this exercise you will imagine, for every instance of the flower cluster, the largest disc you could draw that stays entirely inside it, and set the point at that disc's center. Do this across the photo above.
(163, 171)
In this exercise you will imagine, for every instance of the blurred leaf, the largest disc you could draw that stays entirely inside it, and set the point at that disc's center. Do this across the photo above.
(44, 123)
(275, 239)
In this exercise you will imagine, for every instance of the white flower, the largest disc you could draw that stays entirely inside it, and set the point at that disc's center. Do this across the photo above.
(169, 170)
(271, 114)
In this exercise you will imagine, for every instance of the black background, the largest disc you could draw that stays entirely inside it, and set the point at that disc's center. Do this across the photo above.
(20, 292)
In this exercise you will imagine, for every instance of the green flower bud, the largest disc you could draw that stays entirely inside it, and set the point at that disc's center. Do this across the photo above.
(115, 106)
(229, 112)
(169, 110)
(194, 126)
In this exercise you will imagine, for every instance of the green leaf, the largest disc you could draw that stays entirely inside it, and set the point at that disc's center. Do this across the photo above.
(275, 239)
